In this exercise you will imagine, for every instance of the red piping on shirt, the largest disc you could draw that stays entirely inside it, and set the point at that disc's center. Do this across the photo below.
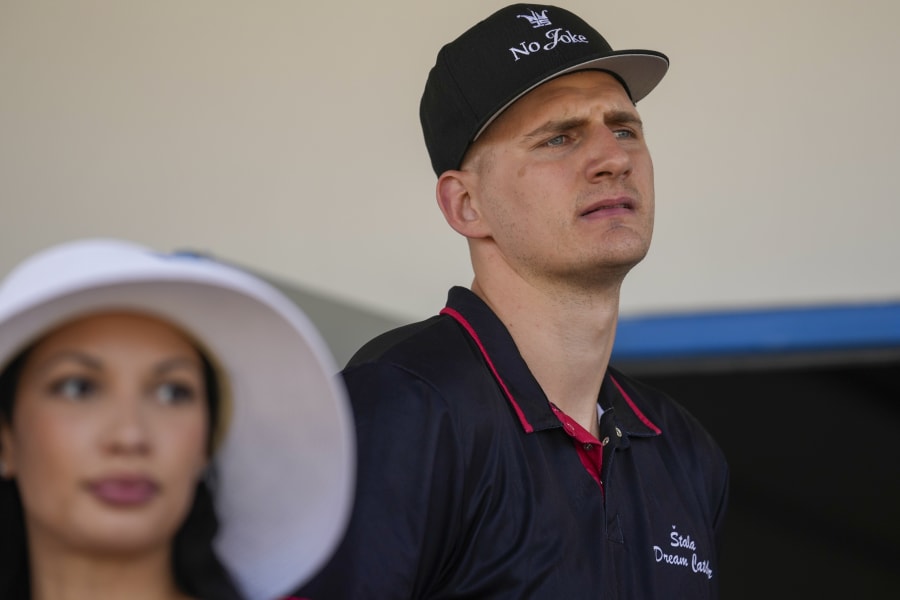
(525, 424)
(640, 415)
(462, 321)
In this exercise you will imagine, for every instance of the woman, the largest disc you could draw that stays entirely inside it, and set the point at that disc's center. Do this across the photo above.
(170, 427)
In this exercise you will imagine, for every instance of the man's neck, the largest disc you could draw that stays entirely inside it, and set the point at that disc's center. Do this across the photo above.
(565, 338)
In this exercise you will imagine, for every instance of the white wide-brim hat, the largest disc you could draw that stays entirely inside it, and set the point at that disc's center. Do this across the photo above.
(285, 464)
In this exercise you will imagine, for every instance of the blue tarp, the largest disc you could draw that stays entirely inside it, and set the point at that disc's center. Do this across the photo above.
(759, 331)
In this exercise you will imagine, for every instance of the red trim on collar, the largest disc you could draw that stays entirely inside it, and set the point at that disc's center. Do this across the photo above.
(635, 409)
(471, 331)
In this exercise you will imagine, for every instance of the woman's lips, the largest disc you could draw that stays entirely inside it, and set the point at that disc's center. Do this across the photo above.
(124, 491)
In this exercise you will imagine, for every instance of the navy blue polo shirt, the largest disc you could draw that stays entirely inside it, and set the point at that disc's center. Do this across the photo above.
(471, 484)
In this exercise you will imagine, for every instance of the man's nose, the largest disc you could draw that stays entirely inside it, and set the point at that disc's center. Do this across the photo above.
(609, 159)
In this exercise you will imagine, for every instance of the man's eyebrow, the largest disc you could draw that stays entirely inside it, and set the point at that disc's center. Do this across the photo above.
(616, 117)
(555, 126)
(624, 117)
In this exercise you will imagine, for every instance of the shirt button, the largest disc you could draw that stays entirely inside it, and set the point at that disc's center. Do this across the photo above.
(618, 432)
(605, 441)
(588, 447)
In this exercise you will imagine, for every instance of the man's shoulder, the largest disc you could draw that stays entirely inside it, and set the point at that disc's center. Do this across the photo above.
(397, 341)
(432, 349)
(421, 372)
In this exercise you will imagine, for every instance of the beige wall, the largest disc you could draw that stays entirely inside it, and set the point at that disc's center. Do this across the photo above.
(284, 135)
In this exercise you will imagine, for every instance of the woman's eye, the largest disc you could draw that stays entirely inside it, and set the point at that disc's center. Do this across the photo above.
(74, 388)
(175, 393)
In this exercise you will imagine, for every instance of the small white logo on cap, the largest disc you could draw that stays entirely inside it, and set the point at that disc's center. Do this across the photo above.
(536, 20)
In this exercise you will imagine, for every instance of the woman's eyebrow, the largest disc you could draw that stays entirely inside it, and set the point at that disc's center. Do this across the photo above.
(177, 363)
(76, 356)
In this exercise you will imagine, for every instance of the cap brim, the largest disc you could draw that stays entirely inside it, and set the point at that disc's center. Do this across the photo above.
(286, 464)
(640, 70)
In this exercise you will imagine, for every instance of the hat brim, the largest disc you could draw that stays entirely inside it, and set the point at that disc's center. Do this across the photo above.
(640, 70)
(286, 463)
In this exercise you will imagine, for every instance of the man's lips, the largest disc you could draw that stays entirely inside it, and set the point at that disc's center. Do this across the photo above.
(124, 491)
(611, 206)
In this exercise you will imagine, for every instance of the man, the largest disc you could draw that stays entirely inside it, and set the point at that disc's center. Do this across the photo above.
(499, 455)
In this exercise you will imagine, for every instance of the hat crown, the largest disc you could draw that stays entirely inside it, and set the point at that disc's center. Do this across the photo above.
(480, 73)
(55, 268)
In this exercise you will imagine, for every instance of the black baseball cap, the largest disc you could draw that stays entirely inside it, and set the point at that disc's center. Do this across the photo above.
(500, 59)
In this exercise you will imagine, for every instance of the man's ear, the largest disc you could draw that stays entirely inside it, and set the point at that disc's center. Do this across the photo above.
(460, 205)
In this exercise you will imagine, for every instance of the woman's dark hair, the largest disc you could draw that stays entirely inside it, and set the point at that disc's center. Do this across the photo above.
(14, 583)
(197, 570)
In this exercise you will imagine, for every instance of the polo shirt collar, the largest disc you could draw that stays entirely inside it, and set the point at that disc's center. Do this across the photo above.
(523, 391)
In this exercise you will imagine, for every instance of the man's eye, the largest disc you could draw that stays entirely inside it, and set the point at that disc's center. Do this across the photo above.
(624, 133)
(175, 393)
(74, 388)
(558, 140)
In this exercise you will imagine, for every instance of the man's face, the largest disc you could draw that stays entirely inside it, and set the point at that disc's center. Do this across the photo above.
(564, 181)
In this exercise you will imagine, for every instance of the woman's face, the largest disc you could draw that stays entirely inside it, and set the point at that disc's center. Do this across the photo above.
(108, 434)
